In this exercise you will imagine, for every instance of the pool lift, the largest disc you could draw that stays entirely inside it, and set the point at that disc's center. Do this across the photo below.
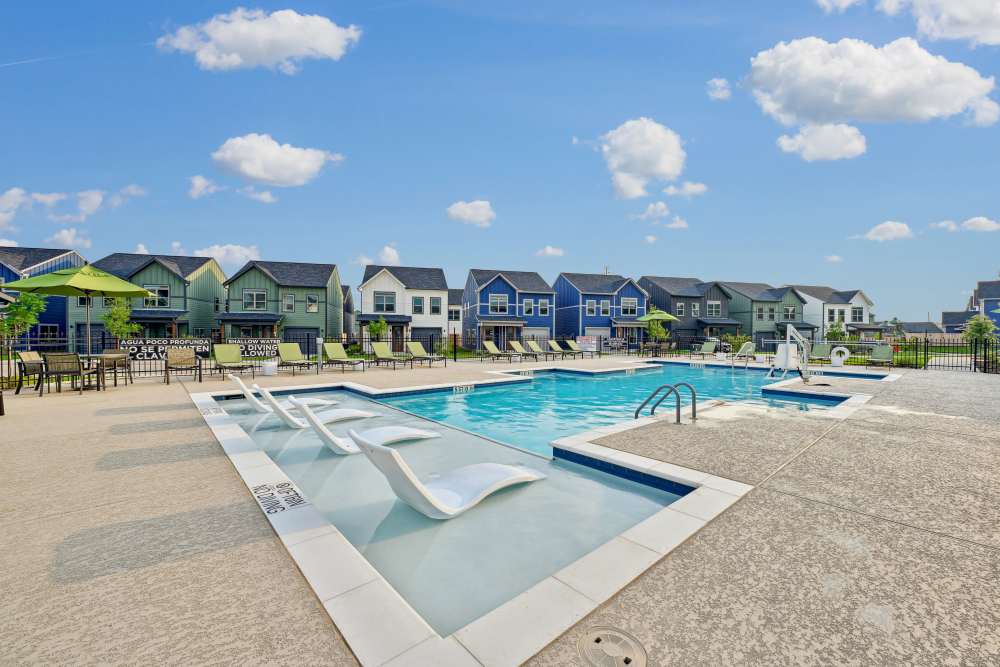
(792, 355)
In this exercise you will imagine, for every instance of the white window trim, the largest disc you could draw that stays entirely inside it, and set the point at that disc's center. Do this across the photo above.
(679, 309)
(312, 303)
(695, 309)
(709, 309)
(376, 295)
(605, 308)
(591, 306)
(430, 305)
(633, 306)
(503, 305)
(285, 303)
(247, 291)
(529, 307)
(760, 313)
(415, 302)
(156, 299)
(543, 307)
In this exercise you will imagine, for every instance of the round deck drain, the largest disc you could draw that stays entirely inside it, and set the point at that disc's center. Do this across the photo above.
(610, 647)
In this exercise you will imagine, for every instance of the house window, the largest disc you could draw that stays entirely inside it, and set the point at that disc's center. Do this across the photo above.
(82, 301)
(498, 304)
(770, 313)
(842, 314)
(760, 312)
(605, 308)
(254, 299)
(435, 305)
(385, 302)
(109, 302)
(288, 303)
(679, 309)
(160, 298)
(696, 309)
(312, 303)
(543, 307)
(529, 307)
(857, 314)
(48, 331)
(246, 332)
(714, 309)
(789, 314)
(591, 308)
(630, 306)
(454, 314)
(831, 316)
(418, 305)
(218, 304)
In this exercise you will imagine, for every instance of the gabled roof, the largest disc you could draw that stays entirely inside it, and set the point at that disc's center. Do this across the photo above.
(412, 277)
(920, 327)
(455, 296)
(757, 291)
(687, 287)
(291, 274)
(827, 294)
(127, 264)
(956, 317)
(599, 283)
(523, 281)
(988, 289)
(22, 259)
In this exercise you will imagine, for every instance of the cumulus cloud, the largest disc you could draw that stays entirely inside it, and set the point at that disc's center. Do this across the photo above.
(812, 81)
(176, 248)
(48, 199)
(202, 187)
(248, 38)
(830, 6)
(977, 21)
(981, 224)
(478, 212)
(639, 151)
(230, 254)
(8, 243)
(141, 249)
(388, 256)
(69, 238)
(718, 89)
(889, 231)
(126, 193)
(88, 202)
(687, 189)
(833, 259)
(10, 202)
(677, 223)
(655, 211)
(649, 239)
(263, 196)
(825, 142)
(947, 225)
(261, 159)
(550, 251)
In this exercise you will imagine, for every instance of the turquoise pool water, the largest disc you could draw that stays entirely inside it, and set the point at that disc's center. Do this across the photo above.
(531, 415)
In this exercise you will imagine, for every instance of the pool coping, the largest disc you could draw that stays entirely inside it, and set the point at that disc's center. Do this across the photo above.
(377, 623)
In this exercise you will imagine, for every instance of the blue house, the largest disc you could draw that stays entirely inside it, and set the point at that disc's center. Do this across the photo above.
(17, 263)
(986, 299)
(597, 304)
(507, 305)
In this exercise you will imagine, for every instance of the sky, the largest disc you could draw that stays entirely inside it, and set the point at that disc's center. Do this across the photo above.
(850, 143)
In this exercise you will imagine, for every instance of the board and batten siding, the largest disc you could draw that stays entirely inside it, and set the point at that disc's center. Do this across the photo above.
(154, 274)
(328, 319)
(204, 292)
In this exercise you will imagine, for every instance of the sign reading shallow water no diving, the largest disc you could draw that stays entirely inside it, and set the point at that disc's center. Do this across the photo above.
(259, 348)
(280, 497)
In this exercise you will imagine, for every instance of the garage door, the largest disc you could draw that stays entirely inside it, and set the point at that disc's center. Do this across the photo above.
(535, 333)
(603, 332)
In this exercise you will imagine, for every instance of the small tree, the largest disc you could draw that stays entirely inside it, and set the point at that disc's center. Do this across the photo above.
(21, 315)
(118, 319)
(836, 332)
(979, 329)
(378, 329)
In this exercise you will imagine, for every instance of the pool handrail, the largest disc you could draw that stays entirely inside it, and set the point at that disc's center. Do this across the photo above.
(672, 389)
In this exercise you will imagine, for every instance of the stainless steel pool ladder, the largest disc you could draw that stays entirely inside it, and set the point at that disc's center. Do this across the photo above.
(671, 389)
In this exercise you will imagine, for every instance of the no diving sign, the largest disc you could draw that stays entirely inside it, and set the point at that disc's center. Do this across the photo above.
(277, 498)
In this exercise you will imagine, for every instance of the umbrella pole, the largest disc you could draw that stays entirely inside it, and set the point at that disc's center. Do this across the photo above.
(89, 305)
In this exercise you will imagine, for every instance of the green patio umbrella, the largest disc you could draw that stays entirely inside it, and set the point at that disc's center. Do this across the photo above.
(79, 281)
(657, 315)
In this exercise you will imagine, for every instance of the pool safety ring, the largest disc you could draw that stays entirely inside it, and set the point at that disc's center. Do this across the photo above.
(609, 647)
(839, 355)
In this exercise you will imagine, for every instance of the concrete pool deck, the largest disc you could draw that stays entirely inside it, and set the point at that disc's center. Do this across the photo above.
(875, 538)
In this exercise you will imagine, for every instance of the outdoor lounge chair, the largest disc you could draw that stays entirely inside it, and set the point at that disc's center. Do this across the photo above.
(555, 347)
(383, 355)
(336, 354)
(290, 355)
(180, 359)
(820, 352)
(262, 408)
(881, 355)
(383, 435)
(707, 349)
(67, 364)
(537, 350)
(447, 494)
(419, 354)
(571, 344)
(326, 416)
(493, 352)
(229, 358)
(519, 349)
(29, 363)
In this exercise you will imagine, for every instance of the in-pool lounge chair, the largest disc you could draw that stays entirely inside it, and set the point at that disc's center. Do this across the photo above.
(419, 354)
(383, 355)
(554, 346)
(262, 408)
(820, 352)
(571, 344)
(493, 352)
(881, 355)
(290, 355)
(336, 354)
(707, 349)
(445, 495)
(228, 359)
(519, 350)
(327, 416)
(538, 351)
(384, 435)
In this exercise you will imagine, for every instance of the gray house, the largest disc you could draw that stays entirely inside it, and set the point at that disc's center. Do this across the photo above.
(350, 316)
(701, 308)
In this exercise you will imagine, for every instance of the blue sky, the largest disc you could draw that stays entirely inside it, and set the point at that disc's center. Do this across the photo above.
(525, 106)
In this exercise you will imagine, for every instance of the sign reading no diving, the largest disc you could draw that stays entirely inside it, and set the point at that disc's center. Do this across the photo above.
(156, 348)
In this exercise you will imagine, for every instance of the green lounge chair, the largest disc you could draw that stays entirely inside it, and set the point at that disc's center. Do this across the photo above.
(336, 354)
(881, 355)
(419, 354)
(538, 351)
(555, 347)
(383, 355)
(707, 349)
(290, 356)
(493, 352)
(571, 344)
(519, 350)
(820, 352)
(228, 358)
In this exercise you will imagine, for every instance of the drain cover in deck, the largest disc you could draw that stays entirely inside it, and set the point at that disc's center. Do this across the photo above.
(609, 647)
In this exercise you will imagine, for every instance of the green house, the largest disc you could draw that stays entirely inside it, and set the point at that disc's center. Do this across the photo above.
(765, 311)
(295, 301)
(188, 294)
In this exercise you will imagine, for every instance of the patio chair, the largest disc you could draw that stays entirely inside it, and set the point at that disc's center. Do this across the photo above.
(290, 356)
(650, 347)
(419, 354)
(262, 408)
(555, 347)
(820, 352)
(519, 349)
(29, 363)
(537, 350)
(228, 358)
(180, 359)
(115, 361)
(881, 355)
(493, 352)
(67, 364)
(383, 355)
(447, 494)
(707, 349)
(571, 344)
(336, 354)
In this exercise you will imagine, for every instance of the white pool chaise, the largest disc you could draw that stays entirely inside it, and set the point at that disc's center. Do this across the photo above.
(337, 444)
(448, 494)
(260, 407)
(326, 416)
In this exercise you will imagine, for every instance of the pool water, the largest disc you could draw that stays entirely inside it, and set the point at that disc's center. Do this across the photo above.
(554, 404)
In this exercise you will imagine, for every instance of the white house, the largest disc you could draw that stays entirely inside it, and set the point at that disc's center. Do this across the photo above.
(824, 306)
(412, 300)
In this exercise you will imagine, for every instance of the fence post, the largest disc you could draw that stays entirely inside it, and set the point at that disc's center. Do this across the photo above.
(454, 346)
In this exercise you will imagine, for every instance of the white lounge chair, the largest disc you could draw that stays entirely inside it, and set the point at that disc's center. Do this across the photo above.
(337, 444)
(265, 409)
(327, 416)
(449, 494)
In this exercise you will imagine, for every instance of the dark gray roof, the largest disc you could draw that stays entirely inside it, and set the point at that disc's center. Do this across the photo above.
(955, 317)
(127, 264)
(689, 287)
(291, 274)
(596, 283)
(267, 318)
(412, 277)
(757, 291)
(827, 294)
(525, 281)
(920, 327)
(20, 259)
(988, 289)
(455, 296)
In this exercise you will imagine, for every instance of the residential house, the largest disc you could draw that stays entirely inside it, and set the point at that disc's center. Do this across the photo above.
(986, 299)
(350, 316)
(17, 263)
(825, 306)
(598, 304)
(701, 308)
(920, 328)
(296, 301)
(507, 305)
(953, 321)
(186, 294)
(764, 311)
(411, 299)
(455, 311)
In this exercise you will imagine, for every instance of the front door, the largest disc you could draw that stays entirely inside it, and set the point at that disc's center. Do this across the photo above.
(398, 334)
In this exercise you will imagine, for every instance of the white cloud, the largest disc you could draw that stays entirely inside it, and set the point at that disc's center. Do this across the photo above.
(825, 142)
(655, 211)
(363, 260)
(830, 6)
(388, 256)
(550, 251)
(812, 81)
(176, 248)
(10, 201)
(69, 238)
(48, 199)
(263, 196)
(718, 89)
(230, 254)
(977, 21)
(478, 212)
(259, 158)
(141, 249)
(202, 187)
(247, 38)
(677, 223)
(833, 259)
(889, 231)
(88, 202)
(8, 243)
(947, 225)
(650, 239)
(687, 189)
(981, 224)
(639, 151)
(126, 193)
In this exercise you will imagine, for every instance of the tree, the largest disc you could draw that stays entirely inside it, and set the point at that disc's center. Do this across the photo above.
(836, 332)
(979, 329)
(21, 315)
(377, 329)
(118, 319)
